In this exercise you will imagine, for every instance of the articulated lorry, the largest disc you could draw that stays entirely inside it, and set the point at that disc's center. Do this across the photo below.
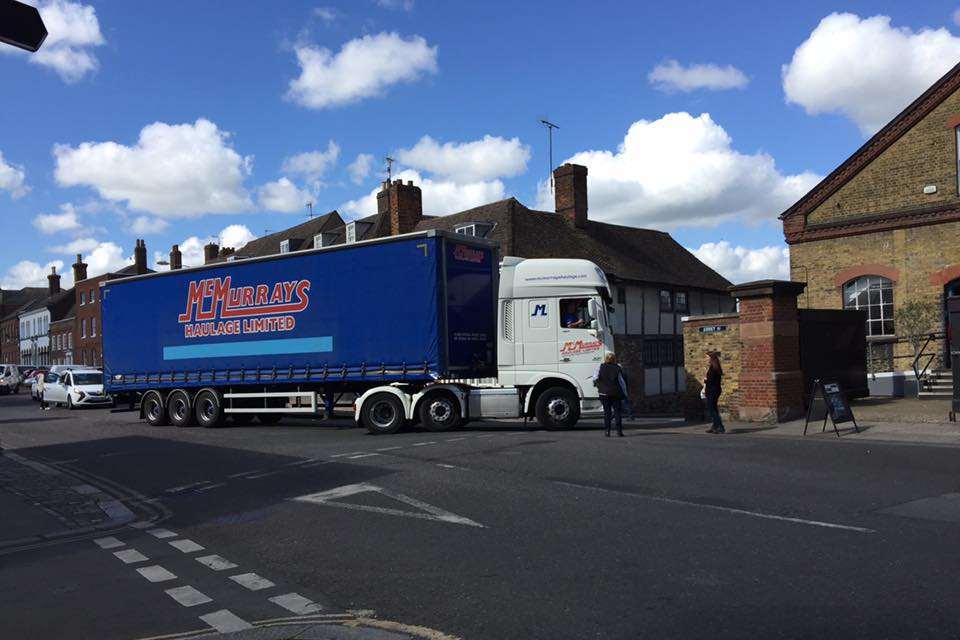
(425, 328)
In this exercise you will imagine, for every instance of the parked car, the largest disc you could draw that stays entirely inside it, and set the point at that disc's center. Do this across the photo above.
(63, 368)
(9, 379)
(76, 388)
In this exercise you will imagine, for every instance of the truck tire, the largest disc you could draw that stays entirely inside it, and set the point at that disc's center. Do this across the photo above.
(208, 409)
(558, 408)
(154, 409)
(439, 411)
(179, 410)
(269, 418)
(382, 413)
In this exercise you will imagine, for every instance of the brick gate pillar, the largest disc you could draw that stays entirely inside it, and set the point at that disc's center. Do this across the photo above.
(771, 382)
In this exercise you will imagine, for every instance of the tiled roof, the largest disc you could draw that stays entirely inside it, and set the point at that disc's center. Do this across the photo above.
(304, 232)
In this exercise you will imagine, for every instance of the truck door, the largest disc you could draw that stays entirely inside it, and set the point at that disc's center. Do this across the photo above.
(579, 348)
(540, 334)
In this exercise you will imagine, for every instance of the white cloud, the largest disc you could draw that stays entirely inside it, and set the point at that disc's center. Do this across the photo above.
(683, 170)
(172, 171)
(106, 257)
(440, 197)
(145, 225)
(284, 196)
(478, 160)
(740, 264)
(80, 245)
(312, 164)
(956, 17)
(865, 69)
(360, 168)
(28, 273)
(406, 5)
(670, 76)
(66, 220)
(236, 235)
(363, 68)
(73, 32)
(12, 178)
(327, 14)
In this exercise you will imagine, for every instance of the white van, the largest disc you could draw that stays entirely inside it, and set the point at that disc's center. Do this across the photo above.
(9, 379)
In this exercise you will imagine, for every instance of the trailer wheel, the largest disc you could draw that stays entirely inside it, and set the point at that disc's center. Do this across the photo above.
(179, 410)
(154, 409)
(208, 409)
(382, 413)
(558, 408)
(439, 411)
(269, 418)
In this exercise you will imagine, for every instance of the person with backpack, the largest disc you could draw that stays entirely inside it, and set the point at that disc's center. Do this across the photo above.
(612, 388)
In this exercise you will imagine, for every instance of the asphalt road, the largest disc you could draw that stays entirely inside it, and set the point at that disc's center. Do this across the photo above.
(493, 531)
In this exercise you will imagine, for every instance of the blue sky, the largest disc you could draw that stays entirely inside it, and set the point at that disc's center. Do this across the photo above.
(181, 121)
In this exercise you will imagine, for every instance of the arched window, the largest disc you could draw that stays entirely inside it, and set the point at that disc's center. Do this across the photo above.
(873, 294)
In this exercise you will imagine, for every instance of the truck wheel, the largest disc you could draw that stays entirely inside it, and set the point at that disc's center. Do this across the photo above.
(439, 411)
(154, 409)
(558, 408)
(208, 409)
(269, 418)
(179, 410)
(382, 413)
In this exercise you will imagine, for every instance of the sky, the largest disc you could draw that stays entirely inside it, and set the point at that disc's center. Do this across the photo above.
(186, 122)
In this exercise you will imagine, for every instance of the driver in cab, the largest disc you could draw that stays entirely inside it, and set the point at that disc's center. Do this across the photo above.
(575, 314)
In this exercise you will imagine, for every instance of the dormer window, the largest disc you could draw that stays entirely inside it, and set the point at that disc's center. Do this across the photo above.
(477, 229)
(285, 246)
(351, 232)
(323, 240)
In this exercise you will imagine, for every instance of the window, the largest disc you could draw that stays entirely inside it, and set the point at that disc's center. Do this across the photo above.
(478, 229)
(662, 352)
(574, 314)
(93, 327)
(69, 341)
(83, 328)
(666, 300)
(621, 295)
(285, 246)
(83, 298)
(680, 300)
(351, 232)
(873, 294)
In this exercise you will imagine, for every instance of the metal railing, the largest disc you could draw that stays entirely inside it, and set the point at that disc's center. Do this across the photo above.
(927, 358)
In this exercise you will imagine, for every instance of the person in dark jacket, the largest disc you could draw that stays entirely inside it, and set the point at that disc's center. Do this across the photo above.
(712, 387)
(612, 388)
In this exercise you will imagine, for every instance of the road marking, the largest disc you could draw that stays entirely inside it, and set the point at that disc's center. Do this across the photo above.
(299, 462)
(362, 455)
(244, 473)
(156, 573)
(130, 556)
(216, 562)
(140, 524)
(714, 507)
(454, 439)
(85, 489)
(296, 603)
(225, 622)
(211, 486)
(263, 474)
(109, 543)
(188, 596)
(328, 498)
(317, 463)
(341, 455)
(185, 487)
(448, 466)
(389, 448)
(162, 533)
(252, 581)
(187, 546)
(423, 444)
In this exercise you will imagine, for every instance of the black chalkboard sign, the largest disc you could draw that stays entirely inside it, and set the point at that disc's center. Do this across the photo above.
(837, 406)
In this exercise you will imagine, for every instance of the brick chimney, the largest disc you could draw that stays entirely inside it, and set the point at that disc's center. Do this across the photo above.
(210, 252)
(54, 280)
(176, 258)
(403, 203)
(140, 257)
(79, 269)
(570, 193)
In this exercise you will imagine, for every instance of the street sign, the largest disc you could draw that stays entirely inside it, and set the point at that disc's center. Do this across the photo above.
(713, 329)
(21, 25)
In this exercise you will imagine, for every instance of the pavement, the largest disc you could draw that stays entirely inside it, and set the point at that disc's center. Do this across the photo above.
(493, 531)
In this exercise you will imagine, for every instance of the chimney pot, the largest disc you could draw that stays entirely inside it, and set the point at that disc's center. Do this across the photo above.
(79, 269)
(54, 281)
(140, 257)
(210, 252)
(176, 258)
(570, 193)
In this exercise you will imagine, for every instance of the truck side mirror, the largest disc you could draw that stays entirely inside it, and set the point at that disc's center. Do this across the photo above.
(592, 310)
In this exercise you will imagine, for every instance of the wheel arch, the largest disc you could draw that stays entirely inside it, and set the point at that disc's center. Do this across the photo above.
(544, 383)
(399, 393)
(458, 393)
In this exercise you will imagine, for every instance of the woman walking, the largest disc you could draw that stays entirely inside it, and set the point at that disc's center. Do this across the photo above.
(712, 388)
(612, 389)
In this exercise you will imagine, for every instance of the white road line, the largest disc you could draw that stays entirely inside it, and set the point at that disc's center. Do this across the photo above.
(130, 556)
(488, 435)
(452, 440)
(216, 562)
(211, 486)
(184, 487)
(188, 596)
(362, 455)
(156, 573)
(713, 507)
(264, 474)
(252, 581)
(389, 448)
(423, 444)
(109, 543)
(244, 473)
(341, 455)
(140, 524)
(162, 533)
(299, 462)
(317, 463)
(85, 489)
(296, 603)
(225, 622)
(448, 466)
(187, 546)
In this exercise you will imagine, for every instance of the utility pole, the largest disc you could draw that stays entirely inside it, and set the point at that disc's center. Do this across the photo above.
(390, 162)
(550, 127)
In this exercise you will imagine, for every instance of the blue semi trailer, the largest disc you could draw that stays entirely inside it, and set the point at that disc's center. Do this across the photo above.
(402, 323)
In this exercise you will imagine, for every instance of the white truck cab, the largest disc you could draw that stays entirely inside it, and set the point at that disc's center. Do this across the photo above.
(553, 331)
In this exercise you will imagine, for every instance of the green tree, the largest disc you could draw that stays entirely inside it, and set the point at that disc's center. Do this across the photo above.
(915, 321)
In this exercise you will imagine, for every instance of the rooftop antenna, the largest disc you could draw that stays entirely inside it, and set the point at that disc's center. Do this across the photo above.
(390, 162)
(309, 209)
(550, 127)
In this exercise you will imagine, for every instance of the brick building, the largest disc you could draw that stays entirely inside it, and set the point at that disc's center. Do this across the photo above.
(35, 318)
(882, 229)
(87, 334)
(12, 302)
(656, 281)
(61, 337)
